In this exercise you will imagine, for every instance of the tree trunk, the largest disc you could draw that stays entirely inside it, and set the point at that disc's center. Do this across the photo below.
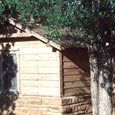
(94, 79)
(105, 81)
(100, 60)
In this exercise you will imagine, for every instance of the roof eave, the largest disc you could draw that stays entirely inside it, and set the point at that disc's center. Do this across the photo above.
(36, 35)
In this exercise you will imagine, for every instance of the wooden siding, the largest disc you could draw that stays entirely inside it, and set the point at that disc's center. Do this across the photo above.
(76, 72)
(39, 73)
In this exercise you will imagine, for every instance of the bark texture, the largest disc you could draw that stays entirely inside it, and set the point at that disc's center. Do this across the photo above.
(94, 78)
(105, 81)
(101, 79)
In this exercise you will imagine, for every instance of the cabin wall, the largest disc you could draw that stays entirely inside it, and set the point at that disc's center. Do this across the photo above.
(76, 72)
(76, 82)
(42, 74)
(41, 90)
(38, 69)
(38, 79)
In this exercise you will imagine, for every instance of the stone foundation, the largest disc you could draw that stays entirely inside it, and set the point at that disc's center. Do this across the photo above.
(53, 105)
(76, 105)
(26, 105)
(38, 106)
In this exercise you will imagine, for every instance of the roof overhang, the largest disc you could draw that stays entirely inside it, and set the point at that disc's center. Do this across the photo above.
(15, 35)
(29, 32)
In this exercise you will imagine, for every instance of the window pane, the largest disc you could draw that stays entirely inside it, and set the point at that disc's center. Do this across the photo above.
(9, 71)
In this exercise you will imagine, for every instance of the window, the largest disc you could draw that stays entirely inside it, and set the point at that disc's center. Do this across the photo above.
(8, 71)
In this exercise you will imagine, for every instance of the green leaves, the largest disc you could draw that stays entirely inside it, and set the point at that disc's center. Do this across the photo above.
(78, 18)
(1, 7)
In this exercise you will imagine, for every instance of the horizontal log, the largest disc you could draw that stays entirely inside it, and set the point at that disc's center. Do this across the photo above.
(72, 71)
(36, 44)
(69, 64)
(28, 57)
(49, 92)
(49, 84)
(35, 91)
(77, 84)
(50, 77)
(40, 84)
(77, 91)
(29, 64)
(66, 59)
(34, 77)
(40, 57)
(29, 70)
(15, 35)
(81, 77)
(35, 70)
(48, 70)
(35, 50)
(38, 64)
(29, 91)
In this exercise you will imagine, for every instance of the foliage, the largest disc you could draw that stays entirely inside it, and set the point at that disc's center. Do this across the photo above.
(83, 20)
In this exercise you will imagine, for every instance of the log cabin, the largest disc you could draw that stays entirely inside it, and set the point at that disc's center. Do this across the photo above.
(42, 77)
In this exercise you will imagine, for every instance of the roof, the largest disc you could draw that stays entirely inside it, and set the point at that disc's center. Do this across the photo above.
(39, 34)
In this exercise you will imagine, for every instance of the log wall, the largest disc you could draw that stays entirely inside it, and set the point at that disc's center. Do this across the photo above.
(49, 83)
(38, 69)
(38, 80)
(76, 82)
(76, 72)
